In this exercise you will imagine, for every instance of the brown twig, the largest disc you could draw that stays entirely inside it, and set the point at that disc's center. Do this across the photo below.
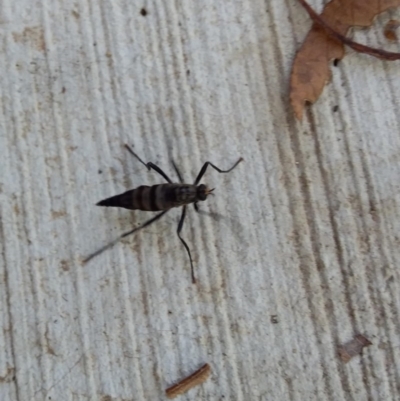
(382, 54)
(196, 378)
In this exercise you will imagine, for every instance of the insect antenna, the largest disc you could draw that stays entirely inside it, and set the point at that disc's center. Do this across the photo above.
(111, 244)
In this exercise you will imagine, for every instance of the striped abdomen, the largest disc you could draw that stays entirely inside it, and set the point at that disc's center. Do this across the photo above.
(156, 197)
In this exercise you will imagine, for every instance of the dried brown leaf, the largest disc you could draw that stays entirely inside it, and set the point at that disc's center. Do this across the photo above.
(353, 347)
(325, 42)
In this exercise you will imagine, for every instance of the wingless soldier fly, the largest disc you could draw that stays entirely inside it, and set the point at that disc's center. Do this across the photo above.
(161, 197)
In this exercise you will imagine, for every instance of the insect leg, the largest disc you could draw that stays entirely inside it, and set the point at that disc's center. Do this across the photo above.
(149, 165)
(111, 244)
(206, 164)
(178, 231)
(177, 172)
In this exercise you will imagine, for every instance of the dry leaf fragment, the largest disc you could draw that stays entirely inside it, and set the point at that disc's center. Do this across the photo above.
(353, 347)
(379, 53)
(390, 29)
(196, 378)
(324, 43)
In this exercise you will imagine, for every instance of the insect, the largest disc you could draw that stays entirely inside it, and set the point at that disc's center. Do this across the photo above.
(161, 197)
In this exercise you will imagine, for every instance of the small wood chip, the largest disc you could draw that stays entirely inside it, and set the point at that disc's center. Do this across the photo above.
(353, 347)
(196, 378)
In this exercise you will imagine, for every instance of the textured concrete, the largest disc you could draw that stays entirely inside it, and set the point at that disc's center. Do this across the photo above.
(297, 252)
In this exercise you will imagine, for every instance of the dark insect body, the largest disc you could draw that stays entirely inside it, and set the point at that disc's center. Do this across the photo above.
(158, 197)
(161, 197)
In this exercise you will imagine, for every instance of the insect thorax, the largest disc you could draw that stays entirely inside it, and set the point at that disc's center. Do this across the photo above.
(185, 193)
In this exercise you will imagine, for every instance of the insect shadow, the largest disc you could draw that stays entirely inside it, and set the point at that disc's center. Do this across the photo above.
(161, 197)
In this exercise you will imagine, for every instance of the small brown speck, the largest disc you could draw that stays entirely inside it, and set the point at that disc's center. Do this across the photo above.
(16, 209)
(63, 89)
(274, 319)
(56, 214)
(8, 376)
(143, 12)
(64, 265)
(335, 108)
(49, 348)
(390, 30)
